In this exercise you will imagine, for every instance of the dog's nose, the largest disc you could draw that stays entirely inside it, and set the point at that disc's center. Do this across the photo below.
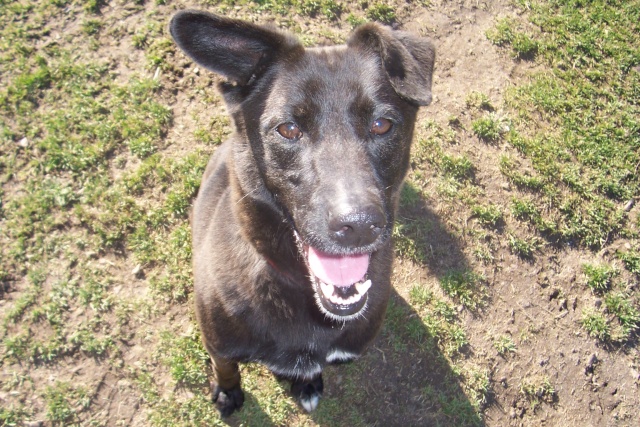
(357, 227)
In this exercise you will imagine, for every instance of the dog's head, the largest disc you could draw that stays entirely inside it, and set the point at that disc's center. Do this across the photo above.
(323, 136)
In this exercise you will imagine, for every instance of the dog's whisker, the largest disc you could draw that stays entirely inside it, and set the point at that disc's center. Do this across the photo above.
(247, 195)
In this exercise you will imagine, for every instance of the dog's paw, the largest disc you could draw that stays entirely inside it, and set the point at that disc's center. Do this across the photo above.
(308, 393)
(227, 401)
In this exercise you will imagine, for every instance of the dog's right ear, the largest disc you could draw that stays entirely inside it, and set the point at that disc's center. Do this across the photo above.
(407, 59)
(235, 49)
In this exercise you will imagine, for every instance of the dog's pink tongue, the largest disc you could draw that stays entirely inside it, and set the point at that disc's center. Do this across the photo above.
(338, 270)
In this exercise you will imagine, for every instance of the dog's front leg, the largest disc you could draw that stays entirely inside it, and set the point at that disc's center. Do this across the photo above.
(226, 391)
(308, 392)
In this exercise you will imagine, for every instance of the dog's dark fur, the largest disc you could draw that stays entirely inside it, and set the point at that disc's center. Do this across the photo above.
(316, 163)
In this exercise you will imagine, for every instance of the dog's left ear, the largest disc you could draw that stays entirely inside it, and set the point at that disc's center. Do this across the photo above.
(407, 59)
(236, 49)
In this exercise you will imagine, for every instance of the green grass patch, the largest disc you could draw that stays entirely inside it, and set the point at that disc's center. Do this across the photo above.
(577, 124)
(479, 101)
(92, 26)
(87, 339)
(186, 358)
(489, 216)
(489, 128)
(504, 345)
(631, 260)
(194, 411)
(524, 180)
(20, 305)
(599, 278)
(538, 390)
(13, 416)
(438, 323)
(355, 21)
(617, 322)
(459, 168)
(64, 403)
(506, 33)
(624, 307)
(524, 247)
(381, 12)
(330, 9)
(596, 325)
(465, 286)
(409, 238)
(477, 386)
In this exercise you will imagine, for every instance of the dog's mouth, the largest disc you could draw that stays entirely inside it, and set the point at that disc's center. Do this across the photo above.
(340, 282)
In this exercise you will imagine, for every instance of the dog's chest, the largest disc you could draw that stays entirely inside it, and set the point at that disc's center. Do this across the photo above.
(304, 362)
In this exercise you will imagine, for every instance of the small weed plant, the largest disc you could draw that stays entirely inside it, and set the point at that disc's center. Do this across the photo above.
(599, 278)
(538, 390)
(504, 345)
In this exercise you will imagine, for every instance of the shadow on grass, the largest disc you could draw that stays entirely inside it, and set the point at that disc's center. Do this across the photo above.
(404, 379)
(250, 415)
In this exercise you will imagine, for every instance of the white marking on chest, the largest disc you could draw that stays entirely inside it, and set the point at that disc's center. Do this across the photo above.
(342, 356)
(304, 373)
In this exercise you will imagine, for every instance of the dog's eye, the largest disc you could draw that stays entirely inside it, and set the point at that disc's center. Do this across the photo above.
(289, 131)
(380, 126)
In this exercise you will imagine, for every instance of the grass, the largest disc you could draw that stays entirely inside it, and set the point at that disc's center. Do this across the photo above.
(459, 168)
(489, 216)
(409, 236)
(11, 417)
(479, 101)
(599, 278)
(631, 260)
(328, 8)
(584, 164)
(68, 211)
(538, 390)
(381, 12)
(64, 402)
(464, 286)
(524, 247)
(507, 34)
(623, 307)
(429, 327)
(439, 324)
(596, 325)
(504, 345)
(186, 358)
(488, 128)
(617, 322)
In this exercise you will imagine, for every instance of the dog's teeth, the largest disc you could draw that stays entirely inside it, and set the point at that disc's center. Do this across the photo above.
(336, 299)
(363, 287)
(327, 290)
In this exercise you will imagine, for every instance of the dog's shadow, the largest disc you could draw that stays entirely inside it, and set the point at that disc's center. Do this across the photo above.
(405, 379)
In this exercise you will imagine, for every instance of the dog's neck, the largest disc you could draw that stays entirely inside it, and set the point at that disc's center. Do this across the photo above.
(277, 268)
(262, 224)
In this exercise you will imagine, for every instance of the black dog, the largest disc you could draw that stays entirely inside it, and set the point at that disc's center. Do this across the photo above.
(292, 225)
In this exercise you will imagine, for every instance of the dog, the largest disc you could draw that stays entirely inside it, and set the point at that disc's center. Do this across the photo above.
(292, 224)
